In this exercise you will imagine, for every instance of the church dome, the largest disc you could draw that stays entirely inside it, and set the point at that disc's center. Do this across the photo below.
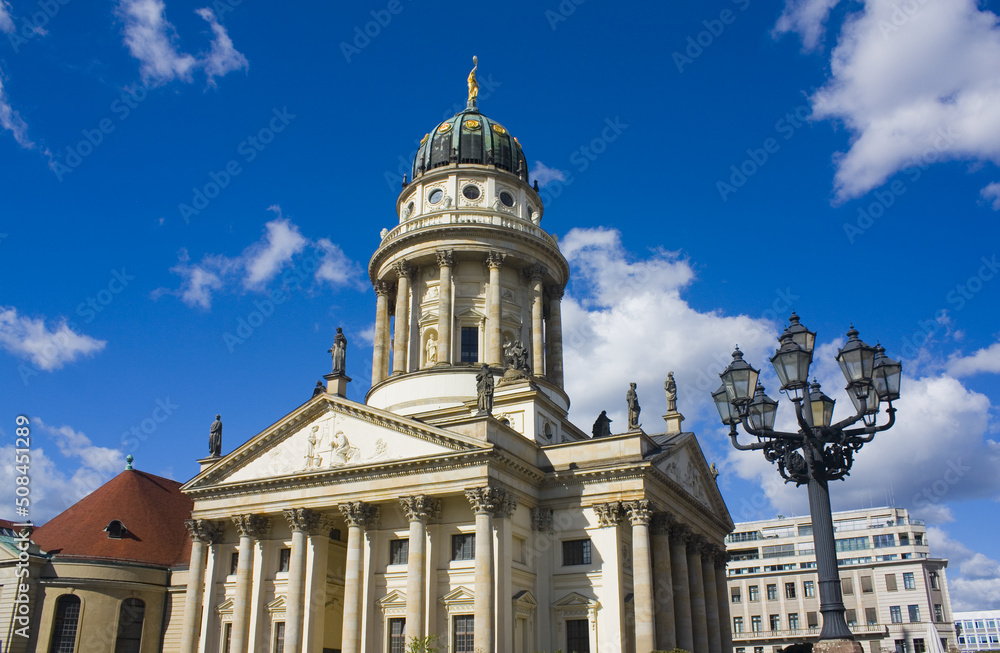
(469, 137)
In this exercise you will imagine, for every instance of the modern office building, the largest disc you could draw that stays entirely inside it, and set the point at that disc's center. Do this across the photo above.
(895, 592)
(978, 630)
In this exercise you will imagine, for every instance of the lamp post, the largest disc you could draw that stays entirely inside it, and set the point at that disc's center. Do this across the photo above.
(820, 451)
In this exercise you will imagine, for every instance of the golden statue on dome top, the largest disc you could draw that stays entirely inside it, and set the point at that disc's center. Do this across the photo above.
(473, 84)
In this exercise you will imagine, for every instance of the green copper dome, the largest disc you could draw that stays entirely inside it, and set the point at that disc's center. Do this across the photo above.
(470, 137)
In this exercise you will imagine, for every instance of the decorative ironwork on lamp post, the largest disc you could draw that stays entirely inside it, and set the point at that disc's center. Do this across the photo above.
(820, 451)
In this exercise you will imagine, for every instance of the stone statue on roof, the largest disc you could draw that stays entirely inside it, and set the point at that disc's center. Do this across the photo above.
(339, 351)
(632, 399)
(602, 425)
(215, 437)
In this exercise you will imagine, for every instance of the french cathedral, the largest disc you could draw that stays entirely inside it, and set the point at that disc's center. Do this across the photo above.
(457, 505)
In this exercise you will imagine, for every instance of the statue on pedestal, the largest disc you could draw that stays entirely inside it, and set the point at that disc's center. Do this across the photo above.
(602, 425)
(632, 399)
(671, 389)
(339, 352)
(215, 437)
(484, 390)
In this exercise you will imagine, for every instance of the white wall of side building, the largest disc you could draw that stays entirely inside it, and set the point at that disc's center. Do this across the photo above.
(978, 630)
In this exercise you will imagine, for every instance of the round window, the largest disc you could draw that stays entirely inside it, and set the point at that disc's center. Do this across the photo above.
(409, 209)
(471, 192)
(506, 198)
(436, 196)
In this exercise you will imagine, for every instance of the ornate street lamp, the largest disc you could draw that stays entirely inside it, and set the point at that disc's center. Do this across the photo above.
(820, 451)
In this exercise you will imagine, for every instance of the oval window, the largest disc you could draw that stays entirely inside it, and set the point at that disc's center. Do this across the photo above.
(506, 198)
(471, 192)
(436, 195)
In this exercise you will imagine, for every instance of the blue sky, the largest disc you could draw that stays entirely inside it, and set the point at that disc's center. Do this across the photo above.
(190, 194)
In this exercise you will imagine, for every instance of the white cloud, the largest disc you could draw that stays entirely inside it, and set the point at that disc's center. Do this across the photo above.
(913, 86)
(977, 584)
(11, 121)
(6, 22)
(807, 18)
(984, 360)
(47, 348)
(991, 193)
(546, 175)
(52, 489)
(265, 259)
(152, 40)
(282, 247)
(627, 318)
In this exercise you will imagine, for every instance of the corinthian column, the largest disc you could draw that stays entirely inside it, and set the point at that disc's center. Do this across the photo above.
(554, 370)
(202, 533)
(381, 331)
(485, 501)
(711, 600)
(682, 586)
(250, 527)
(642, 575)
(445, 262)
(358, 516)
(493, 339)
(402, 328)
(302, 521)
(663, 585)
(699, 616)
(418, 510)
(534, 275)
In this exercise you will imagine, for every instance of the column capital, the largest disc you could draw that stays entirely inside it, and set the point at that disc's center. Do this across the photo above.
(403, 269)
(383, 288)
(202, 530)
(495, 259)
(639, 512)
(535, 272)
(721, 557)
(420, 507)
(660, 523)
(306, 520)
(445, 258)
(695, 543)
(555, 292)
(491, 500)
(541, 520)
(255, 526)
(359, 513)
(679, 532)
(608, 514)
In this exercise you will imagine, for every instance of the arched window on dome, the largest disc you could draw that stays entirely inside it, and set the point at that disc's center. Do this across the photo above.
(130, 619)
(66, 622)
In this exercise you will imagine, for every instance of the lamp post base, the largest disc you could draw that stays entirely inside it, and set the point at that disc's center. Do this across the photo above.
(837, 646)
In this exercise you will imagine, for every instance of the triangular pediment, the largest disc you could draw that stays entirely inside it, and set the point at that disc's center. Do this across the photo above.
(394, 599)
(685, 465)
(225, 607)
(460, 595)
(573, 600)
(525, 599)
(277, 605)
(329, 434)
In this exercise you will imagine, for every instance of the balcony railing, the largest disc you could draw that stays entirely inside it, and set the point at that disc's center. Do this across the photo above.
(467, 217)
(749, 635)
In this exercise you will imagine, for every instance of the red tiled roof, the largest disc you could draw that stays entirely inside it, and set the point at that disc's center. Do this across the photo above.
(152, 508)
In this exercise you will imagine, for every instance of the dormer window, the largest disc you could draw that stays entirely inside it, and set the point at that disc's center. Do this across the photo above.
(116, 530)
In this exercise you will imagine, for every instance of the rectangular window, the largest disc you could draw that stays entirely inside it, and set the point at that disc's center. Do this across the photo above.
(463, 547)
(900, 645)
(576, 552)
(227, 636)
(904, 539)
(852, 617)
(789, 590)
(397, 635)
(470, 344)
(758, 649)
(777, 551)
(755, 623)
(914, 611)
(852, 544)
(809, 589)
(737, 624)
(737, 596)
(775, 621)
(793, 621)
(805, 529)
(918, 646)
(279, 637)
(890, 582)
(908, 581)
(399, 551)
(871, 616)
(578, 636)
(847, 586)
(934, 581)
(234, 562)
(895, 614)
(772, 592)
(812, 620)
(754, 592)
(741, 649)
(884, 541)
(866, 585)
(918, 539)
(283, 557)
(464, 627)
